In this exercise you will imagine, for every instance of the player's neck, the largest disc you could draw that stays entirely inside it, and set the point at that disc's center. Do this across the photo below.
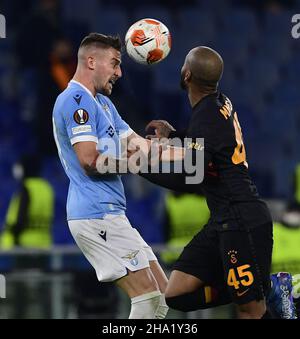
(195, 95)
(194, 98)
(85, 82)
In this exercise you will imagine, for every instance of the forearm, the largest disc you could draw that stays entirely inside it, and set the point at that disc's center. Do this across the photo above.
(155, 150)
(104, 165)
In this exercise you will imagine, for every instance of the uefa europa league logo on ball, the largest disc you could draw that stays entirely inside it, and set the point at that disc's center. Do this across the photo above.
(2, 26)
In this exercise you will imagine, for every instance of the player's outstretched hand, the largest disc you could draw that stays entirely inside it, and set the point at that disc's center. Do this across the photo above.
(161, 128)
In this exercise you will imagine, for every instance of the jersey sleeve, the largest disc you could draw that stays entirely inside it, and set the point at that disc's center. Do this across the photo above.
(79, 113)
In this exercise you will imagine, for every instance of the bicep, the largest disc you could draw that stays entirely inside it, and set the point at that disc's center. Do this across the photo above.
(86, 153)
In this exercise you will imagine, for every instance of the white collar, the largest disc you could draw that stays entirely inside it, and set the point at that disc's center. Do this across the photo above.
(80, 84)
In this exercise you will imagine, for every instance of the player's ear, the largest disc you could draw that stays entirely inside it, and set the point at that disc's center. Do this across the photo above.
(91, 62)
(187, 76)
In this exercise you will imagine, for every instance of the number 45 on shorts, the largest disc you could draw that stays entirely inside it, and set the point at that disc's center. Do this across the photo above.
(239, 275)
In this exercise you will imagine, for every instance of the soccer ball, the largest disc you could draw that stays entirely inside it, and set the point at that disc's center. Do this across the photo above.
(148, 41)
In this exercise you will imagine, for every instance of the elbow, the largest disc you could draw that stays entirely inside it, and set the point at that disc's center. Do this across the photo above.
(98, 167)
(89, 167)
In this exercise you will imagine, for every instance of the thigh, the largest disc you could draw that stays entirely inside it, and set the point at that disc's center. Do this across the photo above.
(246, 256)
(200, 260)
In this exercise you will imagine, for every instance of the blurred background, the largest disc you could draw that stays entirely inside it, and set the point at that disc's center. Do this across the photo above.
(46, 276)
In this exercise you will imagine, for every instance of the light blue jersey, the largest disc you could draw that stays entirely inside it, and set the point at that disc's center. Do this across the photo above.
(79, 116)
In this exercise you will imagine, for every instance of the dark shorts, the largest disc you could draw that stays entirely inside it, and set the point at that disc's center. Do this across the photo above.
(233, 257)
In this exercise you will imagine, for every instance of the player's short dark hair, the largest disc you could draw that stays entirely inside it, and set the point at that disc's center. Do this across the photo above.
(102, 41)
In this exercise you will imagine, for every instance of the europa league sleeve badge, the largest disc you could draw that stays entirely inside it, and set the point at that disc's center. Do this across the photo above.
(81, 116)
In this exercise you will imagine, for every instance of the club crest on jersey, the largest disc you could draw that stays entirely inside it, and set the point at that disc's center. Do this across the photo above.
(81, 116)
(232, 255)
(106, 108)
(132, 257)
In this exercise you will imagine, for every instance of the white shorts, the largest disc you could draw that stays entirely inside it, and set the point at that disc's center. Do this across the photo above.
(111, 245)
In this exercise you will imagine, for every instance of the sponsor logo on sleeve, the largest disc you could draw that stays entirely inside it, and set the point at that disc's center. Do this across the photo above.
(110, 131)
(81, 116)
(82, 129)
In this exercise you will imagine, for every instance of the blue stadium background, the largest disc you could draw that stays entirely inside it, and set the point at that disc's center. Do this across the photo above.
(261, 77)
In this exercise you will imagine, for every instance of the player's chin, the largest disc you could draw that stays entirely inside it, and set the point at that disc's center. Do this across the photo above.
(107, 90)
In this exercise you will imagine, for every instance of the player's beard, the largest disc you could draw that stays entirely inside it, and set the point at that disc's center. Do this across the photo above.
(107, 91)
(104, 90)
